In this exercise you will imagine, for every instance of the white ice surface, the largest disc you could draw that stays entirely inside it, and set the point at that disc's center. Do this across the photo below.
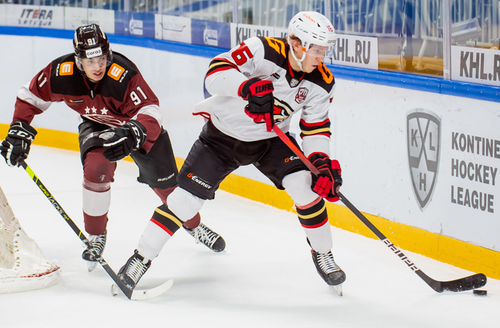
(264, 278)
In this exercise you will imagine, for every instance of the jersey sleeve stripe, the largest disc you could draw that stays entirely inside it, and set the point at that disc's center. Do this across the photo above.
(325, 131)
(318, 128)
(217, 65)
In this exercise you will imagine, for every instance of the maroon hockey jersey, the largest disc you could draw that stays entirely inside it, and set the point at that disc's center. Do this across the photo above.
(120, 96)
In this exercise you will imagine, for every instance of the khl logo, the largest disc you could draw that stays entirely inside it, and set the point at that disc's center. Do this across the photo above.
(423, 141)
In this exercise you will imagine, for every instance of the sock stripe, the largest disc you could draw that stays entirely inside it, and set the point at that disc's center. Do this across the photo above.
(316, 225)
(165, 219)
(162, 227)
(314, 216)
(311, 215)
(169, 216)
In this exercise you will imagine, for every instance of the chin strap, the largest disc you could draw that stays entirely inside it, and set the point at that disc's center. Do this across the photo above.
(298, 61)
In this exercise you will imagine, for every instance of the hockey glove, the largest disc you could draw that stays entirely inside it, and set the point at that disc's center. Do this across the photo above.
(16, 146)
(259, 94)
(328, 181)
(120, 142)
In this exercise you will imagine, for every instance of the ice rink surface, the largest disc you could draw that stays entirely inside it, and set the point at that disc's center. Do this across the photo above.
(264, 278)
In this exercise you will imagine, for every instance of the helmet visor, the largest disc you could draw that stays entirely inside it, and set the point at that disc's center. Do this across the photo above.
(95, 62)
(320, 51)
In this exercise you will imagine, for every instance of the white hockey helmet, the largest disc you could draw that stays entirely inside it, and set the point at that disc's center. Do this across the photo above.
(312, 28)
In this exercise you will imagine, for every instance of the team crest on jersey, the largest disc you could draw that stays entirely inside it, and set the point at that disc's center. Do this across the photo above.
(282, 110)
(65, 68)
(301, 95)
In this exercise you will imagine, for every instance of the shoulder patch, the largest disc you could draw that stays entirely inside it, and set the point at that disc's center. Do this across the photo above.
(325, 73)
(321, 76)
(115, 71)
(275, 50)
(66, 68)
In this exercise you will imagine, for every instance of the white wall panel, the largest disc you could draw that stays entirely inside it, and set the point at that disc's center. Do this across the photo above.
(369, 138)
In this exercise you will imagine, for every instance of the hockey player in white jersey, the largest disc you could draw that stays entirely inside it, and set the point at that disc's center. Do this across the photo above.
(255, 85)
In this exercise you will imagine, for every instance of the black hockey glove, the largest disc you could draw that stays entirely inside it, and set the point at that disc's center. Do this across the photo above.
(259, 94)
(16, 146)
(120, 142)
(328, 181)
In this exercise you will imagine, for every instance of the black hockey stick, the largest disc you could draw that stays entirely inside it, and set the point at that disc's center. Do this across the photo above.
(470, 282)
(131, 294)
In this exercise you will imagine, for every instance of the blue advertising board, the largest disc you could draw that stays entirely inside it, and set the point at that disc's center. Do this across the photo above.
(135, 24)
(209, 33)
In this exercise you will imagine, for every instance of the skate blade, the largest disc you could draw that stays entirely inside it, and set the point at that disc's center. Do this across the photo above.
(338, 289)
(91, 266)
(114, 290)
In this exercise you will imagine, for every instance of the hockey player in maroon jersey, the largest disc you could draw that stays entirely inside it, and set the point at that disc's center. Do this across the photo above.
(120, 116)
(255, 85)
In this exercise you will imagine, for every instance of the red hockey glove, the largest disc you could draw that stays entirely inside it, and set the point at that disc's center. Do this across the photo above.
(16, 146)
(328, 181)
(259, 94)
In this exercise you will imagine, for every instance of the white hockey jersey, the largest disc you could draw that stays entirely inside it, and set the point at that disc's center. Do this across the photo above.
(266, 58)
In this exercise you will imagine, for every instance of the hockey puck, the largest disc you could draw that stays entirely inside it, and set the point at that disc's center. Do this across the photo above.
(479, 292)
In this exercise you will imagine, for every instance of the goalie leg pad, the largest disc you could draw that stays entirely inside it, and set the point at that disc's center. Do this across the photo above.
(22, 263)
(31, 270)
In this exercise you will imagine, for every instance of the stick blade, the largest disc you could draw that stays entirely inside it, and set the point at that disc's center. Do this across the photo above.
(477, 280)
(146, 294)
(459, 285)
(143, 294)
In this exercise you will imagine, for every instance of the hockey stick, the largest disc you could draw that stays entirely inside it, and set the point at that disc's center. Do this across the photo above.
(132, 294)
(470, 282)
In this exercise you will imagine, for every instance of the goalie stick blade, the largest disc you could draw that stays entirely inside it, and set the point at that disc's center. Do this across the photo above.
(474, 281)
(145, 294)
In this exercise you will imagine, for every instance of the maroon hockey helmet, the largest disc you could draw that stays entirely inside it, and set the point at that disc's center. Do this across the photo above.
(90, 41)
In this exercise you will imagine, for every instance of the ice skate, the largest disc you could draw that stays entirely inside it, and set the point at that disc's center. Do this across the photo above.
(98, 243)
(203, 234)
(331, 273)
(134, 269)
